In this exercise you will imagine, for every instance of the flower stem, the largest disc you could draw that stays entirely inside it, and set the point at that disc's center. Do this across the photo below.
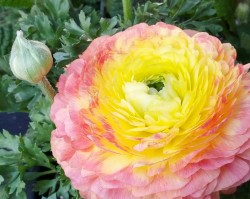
(47, 89)
(127, 10)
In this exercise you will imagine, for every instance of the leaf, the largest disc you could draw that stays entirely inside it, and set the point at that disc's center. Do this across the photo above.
(204, 10)
(114, 7)
(9, 153)
(58, 186)
(53, 196)
(1, 179)
(15, 95)
(13, 185)
(186, 6)
(197, 14)
(204, 26)
(40, 126)
(7, 35)
(226, 10)
(39, 26)
(3, 192)
(17, 186)
(11, 182)
(57, 10)
(85, 22)
(77, 36)
(8, 17)
(17, 3)
(32, 155)
(44, 186)
(62, 58)
(108, 26)
(4, 65)
(172, 3)
(30, 175)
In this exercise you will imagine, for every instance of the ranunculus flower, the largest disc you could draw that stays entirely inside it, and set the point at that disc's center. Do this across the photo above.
(154, 112)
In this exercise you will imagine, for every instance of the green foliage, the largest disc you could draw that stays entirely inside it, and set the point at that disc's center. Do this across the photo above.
(224, 9)
(67, 37)
(8, 19)
(9, 152)
(114, 8)
(37, 25)
(238, 32)
(59, 187)
(6, 36)
(4, 65)
(17, 3)
(40, 126)
(19, 155)
(198, 15)
(77, 36)
(56, 10)
(11, 184)
(15, 95)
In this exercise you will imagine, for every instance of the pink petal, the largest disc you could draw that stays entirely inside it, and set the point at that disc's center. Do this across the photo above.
(232, 173)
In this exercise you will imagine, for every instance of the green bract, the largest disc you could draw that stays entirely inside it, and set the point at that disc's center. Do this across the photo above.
(30, 60)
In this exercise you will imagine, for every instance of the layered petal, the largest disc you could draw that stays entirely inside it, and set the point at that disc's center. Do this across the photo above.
(154, 112)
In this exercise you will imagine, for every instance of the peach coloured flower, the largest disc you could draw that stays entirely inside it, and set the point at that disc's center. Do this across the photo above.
(154, 112)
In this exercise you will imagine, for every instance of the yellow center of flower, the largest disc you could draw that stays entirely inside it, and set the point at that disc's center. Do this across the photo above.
(157, 98)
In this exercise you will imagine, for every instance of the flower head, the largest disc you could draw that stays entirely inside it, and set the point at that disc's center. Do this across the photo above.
(154, 112)
(30, 60)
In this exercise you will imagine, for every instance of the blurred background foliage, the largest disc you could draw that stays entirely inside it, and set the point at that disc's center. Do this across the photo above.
(68, 27)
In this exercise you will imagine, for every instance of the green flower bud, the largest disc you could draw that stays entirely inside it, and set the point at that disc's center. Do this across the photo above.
(30, 60)
(242, 12)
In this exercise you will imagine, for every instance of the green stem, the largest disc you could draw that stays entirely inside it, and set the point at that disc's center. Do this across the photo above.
(127, 10)
(47, 89)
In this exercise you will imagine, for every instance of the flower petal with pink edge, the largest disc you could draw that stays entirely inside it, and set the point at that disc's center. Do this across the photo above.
(153, 112)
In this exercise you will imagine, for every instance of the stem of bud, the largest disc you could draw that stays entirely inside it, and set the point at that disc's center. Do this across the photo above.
(47, 89)
(127, 10)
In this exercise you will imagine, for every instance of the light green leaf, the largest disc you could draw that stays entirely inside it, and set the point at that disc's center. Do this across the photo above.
(1, 179)
(108, 26)
(32, 154)
(58, 10)
(13, 185)
(9, 153)
(44, 186)
(53, 196)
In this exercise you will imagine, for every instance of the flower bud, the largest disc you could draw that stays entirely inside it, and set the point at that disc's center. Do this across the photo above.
(30, 60)
(242, 12)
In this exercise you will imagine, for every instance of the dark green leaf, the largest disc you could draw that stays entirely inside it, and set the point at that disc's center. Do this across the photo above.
(44, 186)
(4, 65)
(114, 7)
(15, 95)
(186, 6)
(226, 10)
(17, 3)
